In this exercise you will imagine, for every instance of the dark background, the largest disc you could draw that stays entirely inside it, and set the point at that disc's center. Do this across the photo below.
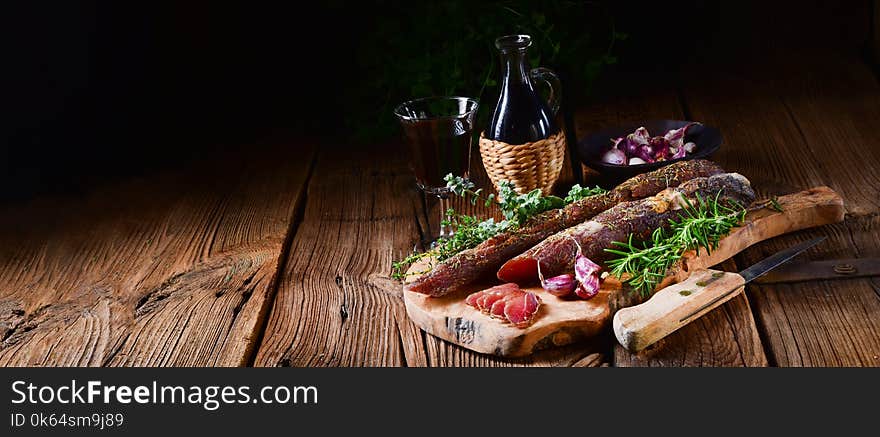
(96, 92)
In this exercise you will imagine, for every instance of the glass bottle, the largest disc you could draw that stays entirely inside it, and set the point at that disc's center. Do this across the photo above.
(523, 145)
(521, 114)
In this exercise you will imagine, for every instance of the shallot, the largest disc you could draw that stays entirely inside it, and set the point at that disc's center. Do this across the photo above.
(614, 156)
(640, 147)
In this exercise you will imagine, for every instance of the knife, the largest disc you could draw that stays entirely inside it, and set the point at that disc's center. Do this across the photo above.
(670, 308)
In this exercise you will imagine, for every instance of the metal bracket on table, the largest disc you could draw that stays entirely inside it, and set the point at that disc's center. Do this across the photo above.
(819, 270)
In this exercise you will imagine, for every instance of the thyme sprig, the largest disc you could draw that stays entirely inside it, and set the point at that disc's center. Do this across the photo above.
(467, 232)
(702, 225)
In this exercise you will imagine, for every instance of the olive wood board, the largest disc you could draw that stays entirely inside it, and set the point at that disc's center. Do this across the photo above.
(564, 321)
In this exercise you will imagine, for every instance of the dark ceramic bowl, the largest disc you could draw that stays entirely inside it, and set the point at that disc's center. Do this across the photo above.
(591, 148)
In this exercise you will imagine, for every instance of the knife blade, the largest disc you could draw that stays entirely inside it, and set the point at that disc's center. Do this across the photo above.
(675, 306)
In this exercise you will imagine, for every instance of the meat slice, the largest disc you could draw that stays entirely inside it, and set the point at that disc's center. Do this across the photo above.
(507, 302)
(489, 297)
(521, 310)
(640, 218)
(482, 260)
(472, 298)
(497, 310)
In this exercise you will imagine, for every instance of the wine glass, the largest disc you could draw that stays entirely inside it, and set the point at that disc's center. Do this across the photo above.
(438, 131)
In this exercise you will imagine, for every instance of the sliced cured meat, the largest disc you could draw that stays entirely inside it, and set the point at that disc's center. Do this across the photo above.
(482, 260)
(485, 304)
(497, 310)
(489, 297)
(472, 298)
(507, 302)
(521, 310)
(640, 218)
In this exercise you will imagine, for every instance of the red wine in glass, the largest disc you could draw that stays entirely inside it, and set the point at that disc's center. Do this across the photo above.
(438, 132)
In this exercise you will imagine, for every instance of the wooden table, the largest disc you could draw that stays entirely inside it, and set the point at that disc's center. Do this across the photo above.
(282, 258)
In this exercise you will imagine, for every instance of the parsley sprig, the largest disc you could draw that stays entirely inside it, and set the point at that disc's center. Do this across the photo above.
(518, 208)
(703, 224)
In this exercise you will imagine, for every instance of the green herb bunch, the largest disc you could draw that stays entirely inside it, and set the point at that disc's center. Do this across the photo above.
(469, 231)
(518, 208)
(702, 225)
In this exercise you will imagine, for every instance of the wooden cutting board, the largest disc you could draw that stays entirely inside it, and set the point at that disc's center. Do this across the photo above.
(564, 321)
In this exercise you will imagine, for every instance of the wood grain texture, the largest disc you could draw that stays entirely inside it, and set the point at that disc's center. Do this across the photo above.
(174, 270)
(808, 123)
(795, 123)
(822, 323)
(336, 305)
(835, 103)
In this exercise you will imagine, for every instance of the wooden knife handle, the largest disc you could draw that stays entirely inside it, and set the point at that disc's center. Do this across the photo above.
(672, 307)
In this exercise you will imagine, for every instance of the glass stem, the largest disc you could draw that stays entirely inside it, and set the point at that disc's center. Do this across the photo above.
(445, 231)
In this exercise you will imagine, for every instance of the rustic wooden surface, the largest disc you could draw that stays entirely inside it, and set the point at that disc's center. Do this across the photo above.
(172, 271)
(282, 258)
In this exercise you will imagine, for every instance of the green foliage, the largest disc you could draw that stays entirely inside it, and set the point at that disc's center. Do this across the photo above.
(578, 192)
(447, 48)
(703, 225)
(469, 231)
(518, 208)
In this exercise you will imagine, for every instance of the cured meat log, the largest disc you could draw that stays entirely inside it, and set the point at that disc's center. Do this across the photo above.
(469, 265)
(507, 302)
(640, 218)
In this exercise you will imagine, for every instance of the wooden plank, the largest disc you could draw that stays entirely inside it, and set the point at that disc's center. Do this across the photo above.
(823, 323)
(336, 305)
(793, 123)
(174, 270)
(835, 102)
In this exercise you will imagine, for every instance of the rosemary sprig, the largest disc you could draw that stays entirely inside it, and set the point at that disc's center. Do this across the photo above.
(702, 224)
